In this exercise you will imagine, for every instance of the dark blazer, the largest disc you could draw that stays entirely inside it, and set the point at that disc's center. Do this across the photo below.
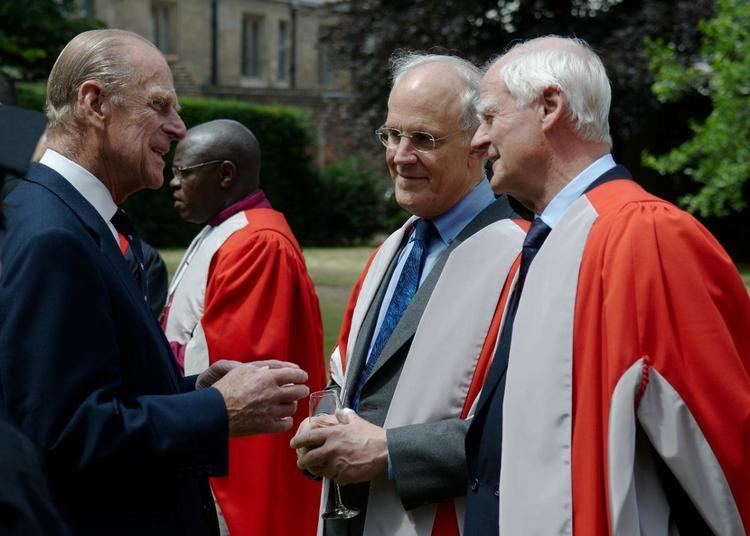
(25, 505)
(88, 376)
(427, 460)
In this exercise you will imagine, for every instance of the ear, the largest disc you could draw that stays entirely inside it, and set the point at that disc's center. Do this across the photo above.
(552, 107)
(228, 175)
(91, 103)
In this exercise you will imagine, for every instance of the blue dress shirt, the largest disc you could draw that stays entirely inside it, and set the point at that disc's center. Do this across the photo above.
(556, 208)
(448, 226)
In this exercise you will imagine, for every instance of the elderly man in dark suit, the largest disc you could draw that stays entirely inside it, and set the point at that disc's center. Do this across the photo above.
(84, 368)
(421, 322)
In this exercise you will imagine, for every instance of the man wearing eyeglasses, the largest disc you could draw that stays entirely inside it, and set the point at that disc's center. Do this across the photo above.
(242, 290)
(422, 321)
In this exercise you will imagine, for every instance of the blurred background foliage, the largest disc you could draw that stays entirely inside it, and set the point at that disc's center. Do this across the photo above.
(680, 73)
(717, 155)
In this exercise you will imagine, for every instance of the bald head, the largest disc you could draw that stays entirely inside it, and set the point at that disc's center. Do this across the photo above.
(221, 163)
(456, 76)
(226, 139)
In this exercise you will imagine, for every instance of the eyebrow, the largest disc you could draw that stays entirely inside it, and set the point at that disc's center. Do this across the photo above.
(484, 108)
(169, 95)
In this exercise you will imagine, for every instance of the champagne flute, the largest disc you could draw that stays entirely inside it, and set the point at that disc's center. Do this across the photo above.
(326, 403)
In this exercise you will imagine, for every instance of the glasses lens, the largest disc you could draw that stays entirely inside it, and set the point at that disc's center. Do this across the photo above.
(382, 136)
(390, 137)
(423, 141)
(176, 171)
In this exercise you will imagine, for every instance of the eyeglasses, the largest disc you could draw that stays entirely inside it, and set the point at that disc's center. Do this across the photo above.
(178, 171)
(424, 142)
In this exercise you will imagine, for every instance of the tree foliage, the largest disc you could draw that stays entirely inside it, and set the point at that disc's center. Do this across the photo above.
(33, 32)
(717, 156)
(371, 30)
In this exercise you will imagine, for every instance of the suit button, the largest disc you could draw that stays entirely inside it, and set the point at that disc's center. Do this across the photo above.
(475, 485)
(497, 491)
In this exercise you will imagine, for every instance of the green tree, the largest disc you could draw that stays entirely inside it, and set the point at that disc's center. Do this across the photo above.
(33, 32)
(717, 156)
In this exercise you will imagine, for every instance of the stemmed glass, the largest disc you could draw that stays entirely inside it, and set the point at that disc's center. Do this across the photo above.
(326, 403)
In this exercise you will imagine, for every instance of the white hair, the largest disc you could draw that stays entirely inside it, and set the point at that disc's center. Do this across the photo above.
(575, 69)
(404, 61)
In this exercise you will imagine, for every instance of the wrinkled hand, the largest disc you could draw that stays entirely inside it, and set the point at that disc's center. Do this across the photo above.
(350, 451)
(261, 399)
(214, 373)
(309, 424)
(219, 369)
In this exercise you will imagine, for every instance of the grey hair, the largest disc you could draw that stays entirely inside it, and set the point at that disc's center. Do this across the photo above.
(94, 55)
(404, 61)
(575, 69)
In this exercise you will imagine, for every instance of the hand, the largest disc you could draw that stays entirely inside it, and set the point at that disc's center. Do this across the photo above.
(217, 371)
(351, 451)
(214, 373)
(261, 400)
(308, 424)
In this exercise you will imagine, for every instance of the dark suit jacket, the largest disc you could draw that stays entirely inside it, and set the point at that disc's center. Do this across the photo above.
(87, 374)
(428, 460)
(25, 505)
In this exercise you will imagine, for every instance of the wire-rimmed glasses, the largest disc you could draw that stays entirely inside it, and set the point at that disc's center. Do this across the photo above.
(179, 171)
(424, 142)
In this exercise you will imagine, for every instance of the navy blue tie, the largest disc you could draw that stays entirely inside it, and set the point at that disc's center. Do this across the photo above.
(124, 225)
(407, 286)
(534, 239)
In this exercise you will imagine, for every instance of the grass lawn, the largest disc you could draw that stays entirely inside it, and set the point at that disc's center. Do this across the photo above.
(744, 269)
(334, 271)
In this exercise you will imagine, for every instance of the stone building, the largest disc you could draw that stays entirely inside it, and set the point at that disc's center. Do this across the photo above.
(262, 51)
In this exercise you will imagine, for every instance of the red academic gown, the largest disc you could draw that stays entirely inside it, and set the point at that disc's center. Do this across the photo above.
(653, 369)
(261, 304)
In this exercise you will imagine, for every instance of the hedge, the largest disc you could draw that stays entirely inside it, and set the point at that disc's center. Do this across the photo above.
(287, 174)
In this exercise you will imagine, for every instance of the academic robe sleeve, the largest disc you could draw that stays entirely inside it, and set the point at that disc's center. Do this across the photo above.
(62, 376)
(665, 303)
(261, 304)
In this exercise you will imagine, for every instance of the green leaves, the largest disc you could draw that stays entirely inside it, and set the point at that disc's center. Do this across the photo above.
(717, 156)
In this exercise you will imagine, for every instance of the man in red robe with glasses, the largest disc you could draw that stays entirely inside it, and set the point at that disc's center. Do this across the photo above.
(242, 290)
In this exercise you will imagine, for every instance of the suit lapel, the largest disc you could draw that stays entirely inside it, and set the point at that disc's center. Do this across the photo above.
(101, 234)
(359, 354)
(407, 326)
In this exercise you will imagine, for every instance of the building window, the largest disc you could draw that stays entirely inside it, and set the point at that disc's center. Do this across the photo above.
(162, 19)
(282, 65)
(326, 74)
(251, 39)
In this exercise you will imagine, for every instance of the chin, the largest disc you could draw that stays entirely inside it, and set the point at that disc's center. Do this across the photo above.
(497, 184)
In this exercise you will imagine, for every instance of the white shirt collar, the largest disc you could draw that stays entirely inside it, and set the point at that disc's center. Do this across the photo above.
(91, 188)
(556, 208)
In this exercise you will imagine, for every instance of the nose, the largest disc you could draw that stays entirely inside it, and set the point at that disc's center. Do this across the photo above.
(175, 127)
(481, 140)
(175, 182)
(405, 152)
